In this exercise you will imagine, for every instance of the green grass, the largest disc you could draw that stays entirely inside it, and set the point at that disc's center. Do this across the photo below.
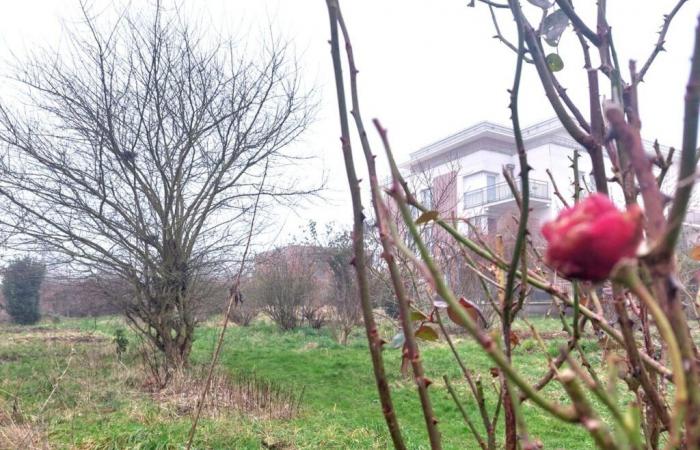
(100, 404)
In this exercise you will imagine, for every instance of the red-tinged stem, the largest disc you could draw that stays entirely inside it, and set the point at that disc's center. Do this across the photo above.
(420, 379)
(359, 260)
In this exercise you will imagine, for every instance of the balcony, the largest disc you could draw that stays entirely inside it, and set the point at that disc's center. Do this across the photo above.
(501, 193)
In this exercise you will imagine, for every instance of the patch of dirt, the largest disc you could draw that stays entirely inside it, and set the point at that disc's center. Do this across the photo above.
(272, 443)
(46, 334)
(9, 358)
(20, 329)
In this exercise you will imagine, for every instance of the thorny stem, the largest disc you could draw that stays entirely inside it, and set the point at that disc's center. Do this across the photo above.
(556, 189)
(420, 379)
(511, 404)
(628, 135)
(659, 47)
(547, 80)
(373, 338)
(686, 173)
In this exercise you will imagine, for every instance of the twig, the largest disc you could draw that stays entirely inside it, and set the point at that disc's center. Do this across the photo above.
(502, 38)
(686, 173)
(422, 382)
(373, 339)
(628, 275)
(477, 392)
(231, 299)
(556, 189)
(494, 4)
(588, 417)
(659, 47)
(468, 421)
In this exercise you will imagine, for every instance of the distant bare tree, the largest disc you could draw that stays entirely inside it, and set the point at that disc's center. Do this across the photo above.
(138, 154)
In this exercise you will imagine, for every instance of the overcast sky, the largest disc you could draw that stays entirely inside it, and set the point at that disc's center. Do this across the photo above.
(427, 68)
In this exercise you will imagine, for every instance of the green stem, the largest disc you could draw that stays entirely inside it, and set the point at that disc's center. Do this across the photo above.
(688, 162)
(468, 421)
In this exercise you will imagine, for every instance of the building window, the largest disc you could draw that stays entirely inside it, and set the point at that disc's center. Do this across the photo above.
(490, 187)
(482, 224)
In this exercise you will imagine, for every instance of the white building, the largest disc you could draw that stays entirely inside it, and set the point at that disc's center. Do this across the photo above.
(462, 174)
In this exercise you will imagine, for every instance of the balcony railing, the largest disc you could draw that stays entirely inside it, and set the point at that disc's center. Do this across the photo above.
(501, 191)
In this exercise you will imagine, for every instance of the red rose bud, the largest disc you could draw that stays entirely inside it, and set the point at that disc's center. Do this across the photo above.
(588, 239)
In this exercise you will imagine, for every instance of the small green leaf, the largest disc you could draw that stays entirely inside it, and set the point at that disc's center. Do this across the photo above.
(554, 62)
(417, 315)
(427, 217)
(426, 333)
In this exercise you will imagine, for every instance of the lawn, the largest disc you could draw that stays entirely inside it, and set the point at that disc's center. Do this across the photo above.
(62, 386)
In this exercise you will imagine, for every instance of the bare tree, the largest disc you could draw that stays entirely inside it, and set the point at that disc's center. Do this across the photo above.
(139, 153)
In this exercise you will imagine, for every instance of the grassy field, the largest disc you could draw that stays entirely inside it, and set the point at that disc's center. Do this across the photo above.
(61, 386)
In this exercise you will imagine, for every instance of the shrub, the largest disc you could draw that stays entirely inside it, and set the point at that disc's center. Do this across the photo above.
(20, 286)
(120, 342)
(244, 312)
(283, 285)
